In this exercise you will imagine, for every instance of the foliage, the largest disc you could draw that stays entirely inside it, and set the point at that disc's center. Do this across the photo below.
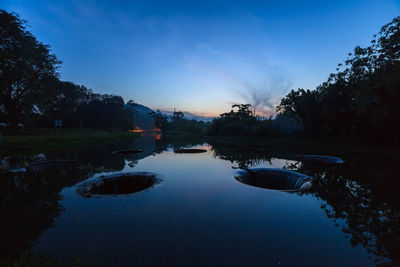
(27, 69)
(32, 94)
(241, 121)
(65, 103)
(106, 111)
(360, 99)
(304, 106)
(180, 123)
(177, 115)
(79, 107)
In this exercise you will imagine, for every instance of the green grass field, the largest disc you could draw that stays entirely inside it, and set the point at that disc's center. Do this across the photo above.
(48, 140)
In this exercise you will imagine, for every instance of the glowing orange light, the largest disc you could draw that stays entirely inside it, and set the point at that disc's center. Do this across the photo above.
(137, 130)
(150, 131)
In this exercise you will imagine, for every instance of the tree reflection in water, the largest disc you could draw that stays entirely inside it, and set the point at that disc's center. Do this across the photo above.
(360, 196)
(28, 206)
(241, 156)
(363, 196)
(175, 143)
(29, 202)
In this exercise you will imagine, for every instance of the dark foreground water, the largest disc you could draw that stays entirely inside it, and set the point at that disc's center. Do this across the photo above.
(200, 215)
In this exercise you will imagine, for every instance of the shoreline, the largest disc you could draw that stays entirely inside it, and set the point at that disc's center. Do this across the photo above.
(337, 146)
(77, 139)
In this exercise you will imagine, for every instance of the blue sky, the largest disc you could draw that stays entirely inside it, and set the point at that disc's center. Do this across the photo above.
(202, 56)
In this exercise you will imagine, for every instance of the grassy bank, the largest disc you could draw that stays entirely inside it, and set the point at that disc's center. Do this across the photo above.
(68, 139)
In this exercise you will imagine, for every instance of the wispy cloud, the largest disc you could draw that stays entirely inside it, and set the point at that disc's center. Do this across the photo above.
(249, 79)
(265, 97)
(200, 46)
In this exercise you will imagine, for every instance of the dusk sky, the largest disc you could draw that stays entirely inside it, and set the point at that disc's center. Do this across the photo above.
(202, 56)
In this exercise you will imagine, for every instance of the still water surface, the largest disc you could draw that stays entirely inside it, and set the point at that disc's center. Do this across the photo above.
(201, 215)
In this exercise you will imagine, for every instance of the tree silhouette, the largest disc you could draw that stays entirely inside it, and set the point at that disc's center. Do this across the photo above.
(27, 70)
(359, 201)
(361, 98)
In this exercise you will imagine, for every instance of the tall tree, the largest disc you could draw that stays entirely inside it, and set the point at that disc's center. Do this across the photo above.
(26, 69)
(304, 106)
(177, 115)
(65, 103)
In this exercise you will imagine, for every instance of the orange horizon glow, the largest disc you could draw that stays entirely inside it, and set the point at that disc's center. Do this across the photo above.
(215, 114)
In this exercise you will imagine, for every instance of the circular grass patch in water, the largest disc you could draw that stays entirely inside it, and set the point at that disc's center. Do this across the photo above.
(128, 151)
(275, 179)
(320, 159)
(190, 150)
(119, 184)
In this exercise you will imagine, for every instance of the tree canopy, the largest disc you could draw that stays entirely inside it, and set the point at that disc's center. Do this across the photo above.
(362, 98)
(32, 94)
(27, 69)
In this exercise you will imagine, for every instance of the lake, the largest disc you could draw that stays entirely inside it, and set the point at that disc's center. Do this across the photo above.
(200, 214)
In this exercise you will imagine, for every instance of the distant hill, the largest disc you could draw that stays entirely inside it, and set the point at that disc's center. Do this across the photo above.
(142, 116)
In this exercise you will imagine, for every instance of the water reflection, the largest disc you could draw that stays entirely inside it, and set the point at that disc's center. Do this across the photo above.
(364, 196)
(29, 202)
(242, 157)
(361, 193)
(28, 205)
(359, 196)
(176, 143)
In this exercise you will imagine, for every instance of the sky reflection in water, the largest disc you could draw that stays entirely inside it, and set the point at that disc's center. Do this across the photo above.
(200, 215)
